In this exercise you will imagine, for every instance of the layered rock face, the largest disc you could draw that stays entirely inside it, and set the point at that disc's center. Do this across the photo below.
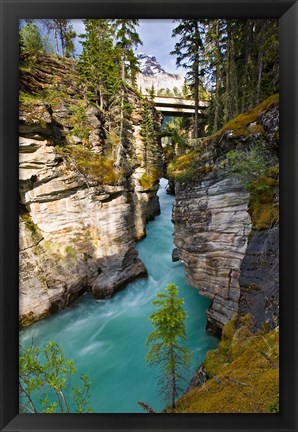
(211, 230)
(77, 227)
(259, 279)
(224, 232)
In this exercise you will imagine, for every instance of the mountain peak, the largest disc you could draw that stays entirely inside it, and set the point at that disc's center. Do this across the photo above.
(150, 66)
(152, 74)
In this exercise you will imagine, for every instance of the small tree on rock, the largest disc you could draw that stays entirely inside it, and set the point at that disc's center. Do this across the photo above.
(166, 343)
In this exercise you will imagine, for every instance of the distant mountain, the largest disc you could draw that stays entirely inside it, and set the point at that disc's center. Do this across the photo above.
(152, 73)
(149, 65)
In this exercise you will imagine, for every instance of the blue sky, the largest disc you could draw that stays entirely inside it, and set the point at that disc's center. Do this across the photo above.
(156, 35)
(157, 41)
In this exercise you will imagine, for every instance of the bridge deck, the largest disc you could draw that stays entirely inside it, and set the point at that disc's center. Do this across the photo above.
(171, 106)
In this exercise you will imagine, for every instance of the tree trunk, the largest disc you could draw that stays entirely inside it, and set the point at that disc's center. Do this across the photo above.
(217, 80)
(174, 391)
(245, 79)
(120, 145)
(260, 68)
(260, 60)
(62, 38)
(196, 77)
(56, 39)
(227, 89)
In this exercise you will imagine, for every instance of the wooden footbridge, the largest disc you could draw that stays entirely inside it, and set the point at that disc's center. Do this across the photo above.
(177, 107)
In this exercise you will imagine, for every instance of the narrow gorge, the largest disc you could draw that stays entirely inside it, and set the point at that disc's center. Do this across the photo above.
(121, 195)
(226, 234)
(79, 216)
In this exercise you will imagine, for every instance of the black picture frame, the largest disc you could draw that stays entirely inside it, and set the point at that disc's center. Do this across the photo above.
(13, 10)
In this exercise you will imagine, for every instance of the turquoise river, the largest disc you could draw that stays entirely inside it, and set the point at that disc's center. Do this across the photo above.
(107, 338)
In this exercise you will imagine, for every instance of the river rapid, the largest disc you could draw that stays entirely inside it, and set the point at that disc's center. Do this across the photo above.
(107, 338)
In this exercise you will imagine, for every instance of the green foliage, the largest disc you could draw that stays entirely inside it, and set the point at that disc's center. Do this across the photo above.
(147, 126)
(166, 340)
(258, 171)
(79, 119)
(248, 165)
(175, 128)
(188, 51)
(148, 180)
(221, 357)
(30, 225)
(89, 164)
(242, 60)
(239, 124)
(127, 39)
(99, 63)
(188, 167)
(151, 93)
(63, 33)
(263, 206)
(247, 382)
(55, 96)
(45, 382)
(149, 137)
(30, 38)
(273, 406)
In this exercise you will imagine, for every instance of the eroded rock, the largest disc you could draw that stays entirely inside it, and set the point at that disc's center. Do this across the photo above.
(76, 232)
(211, 231)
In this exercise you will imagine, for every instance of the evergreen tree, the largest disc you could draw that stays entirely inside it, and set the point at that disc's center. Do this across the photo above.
(63, 35)
(188, 51)
(99, 63)
(241, 60)
(30, 38)
(51, 25)
(185, 89)
(149, 137)
(152, 93)
(127, 39)
(166, 349)
(69, 36)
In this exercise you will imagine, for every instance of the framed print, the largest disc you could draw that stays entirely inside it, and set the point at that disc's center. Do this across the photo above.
(143, 212)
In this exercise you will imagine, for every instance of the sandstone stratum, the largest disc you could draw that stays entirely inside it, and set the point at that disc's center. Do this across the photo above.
(226, 231)
(80, 211)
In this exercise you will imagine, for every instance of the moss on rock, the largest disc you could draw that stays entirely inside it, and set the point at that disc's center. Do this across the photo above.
(249, 384)
(240, 124)
(90, 164)
(147, 181)
(263, 206)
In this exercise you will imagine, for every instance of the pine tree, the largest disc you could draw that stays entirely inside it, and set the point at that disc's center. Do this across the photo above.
(241, 60)
(188, 51)
(30, 38)
(166, 348)
(99, 63)
(69, 35)
(63, 33)
(149, 137)
(127, 39)
(152, 93)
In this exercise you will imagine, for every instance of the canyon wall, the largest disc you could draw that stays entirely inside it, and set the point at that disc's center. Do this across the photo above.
(80, 215)
(211, 231)
(226, 232)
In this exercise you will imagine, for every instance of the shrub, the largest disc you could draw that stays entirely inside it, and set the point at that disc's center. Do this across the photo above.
(90, 164)
(45, 382)
(148, 180)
